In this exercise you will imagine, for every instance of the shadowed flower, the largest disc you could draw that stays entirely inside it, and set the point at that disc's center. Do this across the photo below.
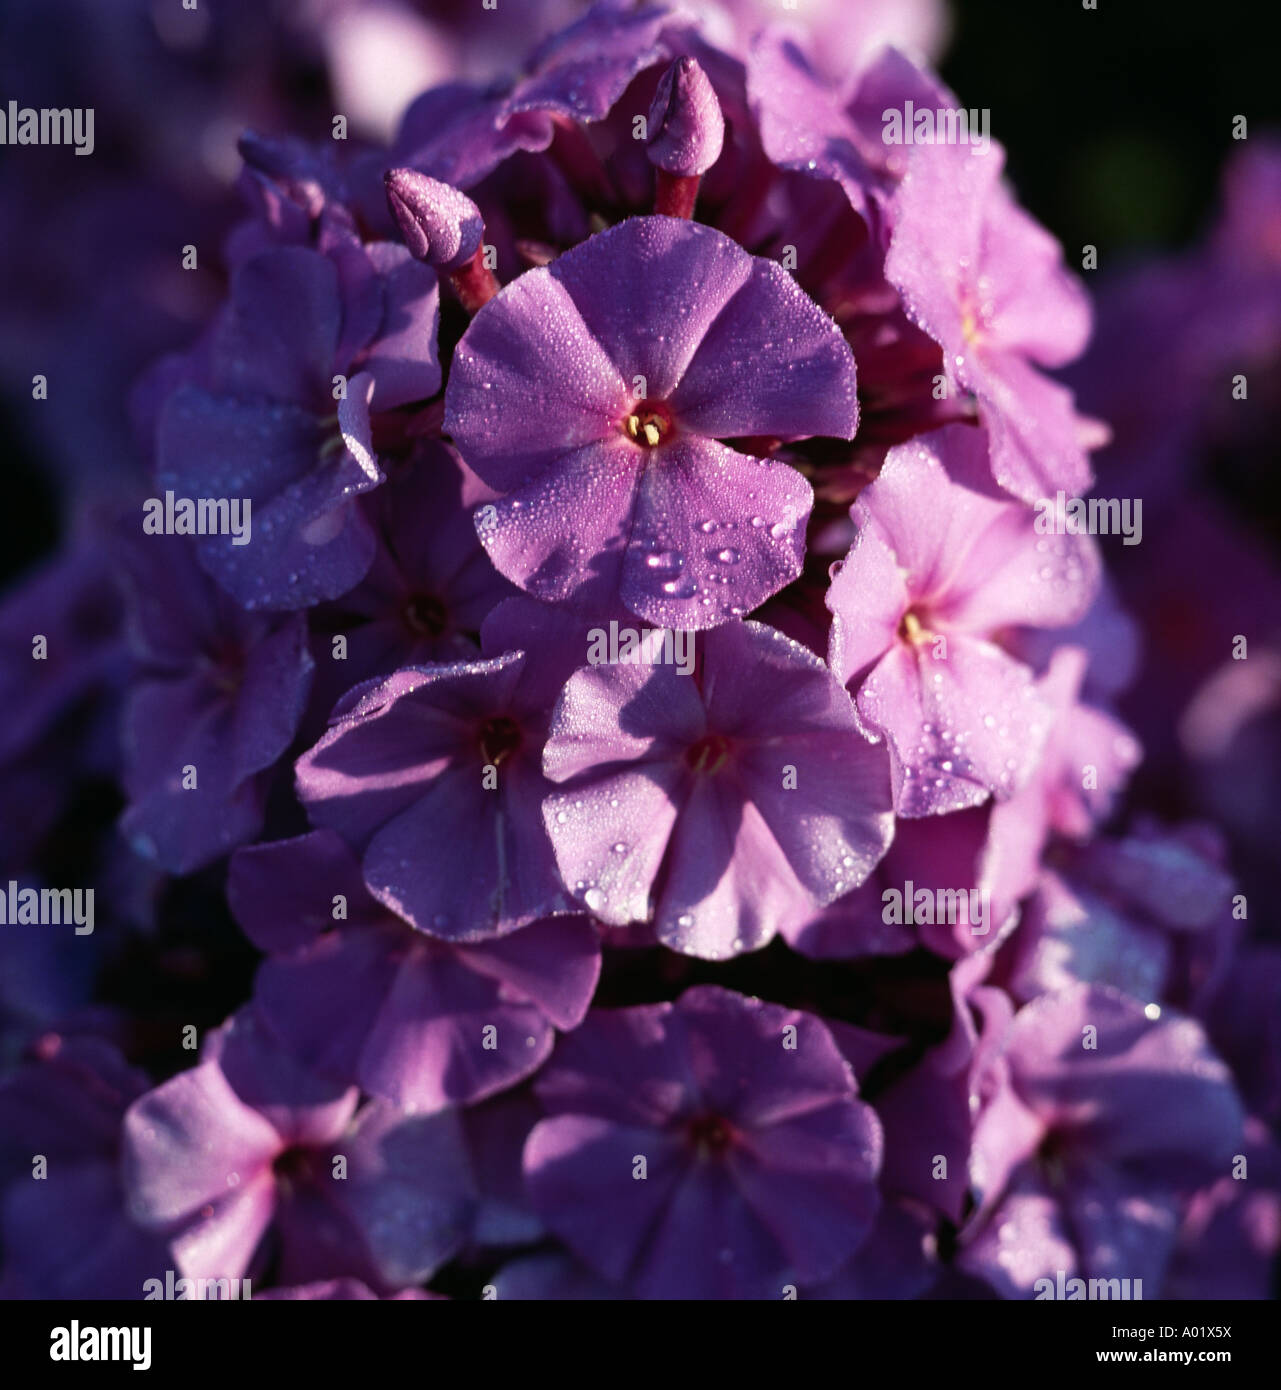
(265, 417)
(358, 995)
(759, 1159)
(1109, 1112)
(69, 1235)
(1113, 911)
(442, 755)
(217, 702)
(430, 587)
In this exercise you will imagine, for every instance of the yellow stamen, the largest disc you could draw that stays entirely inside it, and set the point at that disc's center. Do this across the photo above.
(645, 427)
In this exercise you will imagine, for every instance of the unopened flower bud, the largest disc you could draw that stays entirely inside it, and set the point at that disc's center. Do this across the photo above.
(686, 128)
(440, 225)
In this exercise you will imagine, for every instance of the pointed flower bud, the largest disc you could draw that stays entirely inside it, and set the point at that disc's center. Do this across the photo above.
(686, 128)
(440, 225)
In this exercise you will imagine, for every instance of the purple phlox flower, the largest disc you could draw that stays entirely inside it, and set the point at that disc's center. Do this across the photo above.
(594, 392)
(67, 1235)
(726, 803)
(430, 586)
(248, 1156)
(939, 567)
(1121, 1108)
(988, 284)
(760, 1160)
(459, 132)
(356, 994)
(310, 343)
(442, 756)
(217, 702)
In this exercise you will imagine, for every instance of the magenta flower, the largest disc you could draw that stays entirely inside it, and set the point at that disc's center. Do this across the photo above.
(593, 394)
(988, 284)
(754, 1143)
(725, 806)
(938, 568)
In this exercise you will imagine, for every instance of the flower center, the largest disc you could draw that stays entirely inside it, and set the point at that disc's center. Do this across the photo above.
(425, 615)
(294, 1167)
(710, 1134)
(911, 629)
(709, 754)
(500, 737)
(647, 425)
(1052, 1158)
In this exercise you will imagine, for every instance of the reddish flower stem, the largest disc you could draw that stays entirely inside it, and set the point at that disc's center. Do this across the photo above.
(675, 194)
(474, 283)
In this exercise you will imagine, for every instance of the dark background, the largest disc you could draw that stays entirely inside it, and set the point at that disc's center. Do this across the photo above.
(1117, 121)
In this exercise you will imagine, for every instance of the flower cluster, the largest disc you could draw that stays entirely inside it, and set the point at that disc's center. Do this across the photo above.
(621, 790)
